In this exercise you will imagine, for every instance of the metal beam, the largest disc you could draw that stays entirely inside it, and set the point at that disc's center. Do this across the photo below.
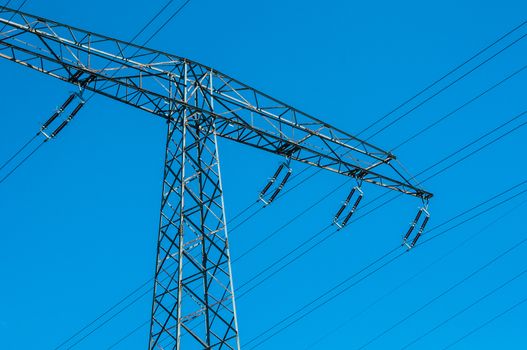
(151, 80)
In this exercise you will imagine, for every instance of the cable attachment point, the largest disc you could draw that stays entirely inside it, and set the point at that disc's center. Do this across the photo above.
(272, 181)
(355, 190)
(421, 214)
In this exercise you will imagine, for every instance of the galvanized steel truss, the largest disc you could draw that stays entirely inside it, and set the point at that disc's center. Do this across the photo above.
(193, 281)
(193, 292)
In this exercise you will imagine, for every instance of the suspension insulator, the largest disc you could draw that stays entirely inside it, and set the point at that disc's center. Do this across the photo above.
(420, 232)
(412, 225)
(272, 181)
(355, 190)
(281, 186)
(66, 121)
(58, 112)
(421, 213)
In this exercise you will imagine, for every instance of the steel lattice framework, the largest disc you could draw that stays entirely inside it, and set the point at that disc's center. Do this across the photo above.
(193, 278)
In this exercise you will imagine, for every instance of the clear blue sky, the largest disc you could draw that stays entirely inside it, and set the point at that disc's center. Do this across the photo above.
(78, 223)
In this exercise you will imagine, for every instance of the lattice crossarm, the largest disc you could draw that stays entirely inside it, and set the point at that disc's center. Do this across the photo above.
(157, 82)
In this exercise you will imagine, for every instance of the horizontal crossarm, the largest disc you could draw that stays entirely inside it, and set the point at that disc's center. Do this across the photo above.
(156, 82)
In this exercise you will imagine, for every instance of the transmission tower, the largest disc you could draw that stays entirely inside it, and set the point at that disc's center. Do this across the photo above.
(193, 279)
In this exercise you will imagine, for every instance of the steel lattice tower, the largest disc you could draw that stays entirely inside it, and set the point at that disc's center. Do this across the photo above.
(193, 303)
(192, 253)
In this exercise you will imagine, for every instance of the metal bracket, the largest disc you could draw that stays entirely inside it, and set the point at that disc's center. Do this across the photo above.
(272, 181)
(345, 204)
(413, 225)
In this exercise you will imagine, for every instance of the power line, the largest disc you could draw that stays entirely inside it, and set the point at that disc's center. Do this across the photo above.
(486, 323)
(159, 13)
(428, 87)
(151, 279)
(255, 203)
(282, 194)
(33, 138)
(13, 15)
(234, 261)
(428, 99)
(371, 264)
(430, 126)
(187, 2)
(428, 178)
(145, 293)
(128, 335)
(443, 293)
(25, 159)
(450, 155)
(442, 170)
(20, 150)
(102, 324)
(452, 164)
(7, 4)
(446, 87)
(296, 217)
(429, 239)
(167, 22)
(335, 231)
(113, 307)
(106, 321)
(329, 291)
(110, 309)
(499, 127)
(433, 229)
(322, 304)
(141, 31)
(455, 69)
(516, 128)
(465, 309)
(243, 211)
(276, 262)
(414, 276)
(386, 202)
(470, 154)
